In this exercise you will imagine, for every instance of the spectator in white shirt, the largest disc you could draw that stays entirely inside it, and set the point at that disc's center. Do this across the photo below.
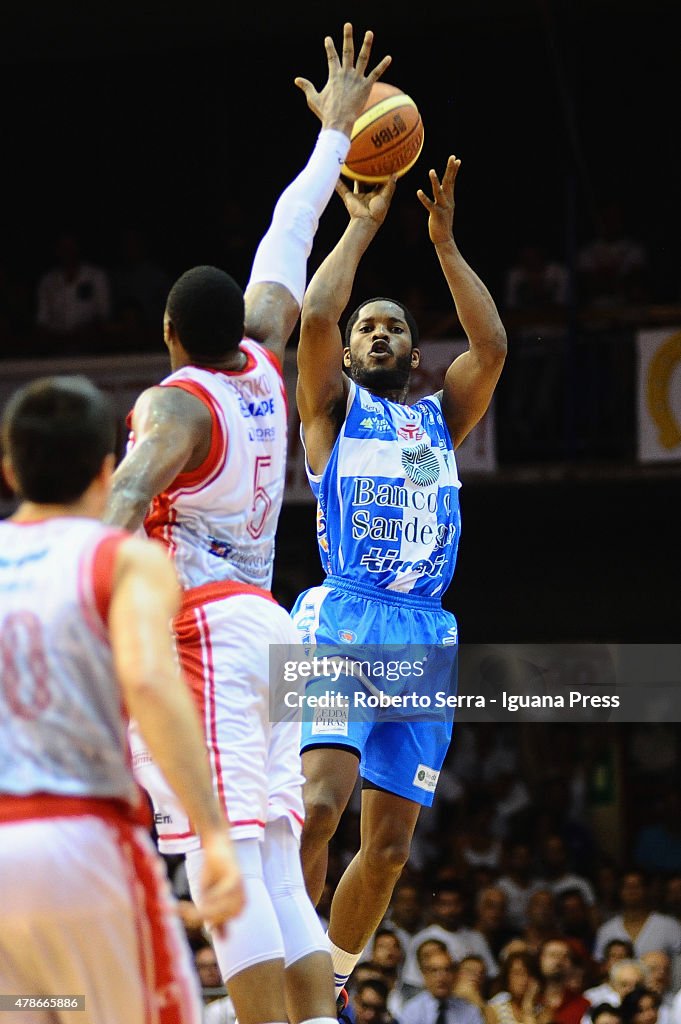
(557, 872)
(657, 967)
(518, 883)
(448, 909)
(73, 295)
(623, 977)
(645, 928)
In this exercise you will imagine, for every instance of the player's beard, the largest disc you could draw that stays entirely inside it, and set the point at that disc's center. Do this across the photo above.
(382, 380)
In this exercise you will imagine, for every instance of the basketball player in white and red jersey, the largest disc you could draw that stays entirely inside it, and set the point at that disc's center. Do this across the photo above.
(86, 907)
(205, 475)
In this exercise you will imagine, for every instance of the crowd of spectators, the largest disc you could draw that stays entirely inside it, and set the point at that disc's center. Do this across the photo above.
(78, 304)
(513, 909)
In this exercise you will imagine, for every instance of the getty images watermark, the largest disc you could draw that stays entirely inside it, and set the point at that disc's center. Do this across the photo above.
(331, 685)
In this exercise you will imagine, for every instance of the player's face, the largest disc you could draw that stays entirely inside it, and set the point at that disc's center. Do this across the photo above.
(380, 356)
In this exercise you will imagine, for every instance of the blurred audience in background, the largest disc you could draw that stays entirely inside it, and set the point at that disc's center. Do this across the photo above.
(73, 295)
(613, 266)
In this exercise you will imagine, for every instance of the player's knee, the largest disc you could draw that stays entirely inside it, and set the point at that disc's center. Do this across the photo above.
(322, 812)
(384, 856)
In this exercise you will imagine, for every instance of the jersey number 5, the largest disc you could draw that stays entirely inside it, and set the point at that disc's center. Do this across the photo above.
(262, 503)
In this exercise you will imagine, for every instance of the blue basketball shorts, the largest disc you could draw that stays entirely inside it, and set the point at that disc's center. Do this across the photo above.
(344, 619)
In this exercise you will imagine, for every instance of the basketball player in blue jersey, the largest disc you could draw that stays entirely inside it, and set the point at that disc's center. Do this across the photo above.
(385, 478)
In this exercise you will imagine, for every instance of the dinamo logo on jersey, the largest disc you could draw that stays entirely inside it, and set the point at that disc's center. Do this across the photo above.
(421, 464)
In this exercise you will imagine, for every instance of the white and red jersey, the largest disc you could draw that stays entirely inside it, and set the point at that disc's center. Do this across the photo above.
(218, 522)
(62, 724)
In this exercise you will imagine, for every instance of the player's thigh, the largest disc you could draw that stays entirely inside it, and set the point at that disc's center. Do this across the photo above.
(405, 757)
(233, 699)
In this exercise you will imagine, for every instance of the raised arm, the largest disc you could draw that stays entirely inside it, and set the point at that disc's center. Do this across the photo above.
(275, 290)
(322, 385)
(472, 377)
(172, 431)
(144, 600)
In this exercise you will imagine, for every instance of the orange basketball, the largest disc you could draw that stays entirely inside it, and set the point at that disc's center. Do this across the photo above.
(387, 137)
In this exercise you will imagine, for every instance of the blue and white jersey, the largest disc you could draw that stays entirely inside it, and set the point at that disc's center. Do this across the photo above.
(388, 501)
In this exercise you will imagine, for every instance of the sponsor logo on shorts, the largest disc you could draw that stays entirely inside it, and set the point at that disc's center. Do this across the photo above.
(330, 722)
(452, 637)
(162, 819)
(425, 778)
(347, 636)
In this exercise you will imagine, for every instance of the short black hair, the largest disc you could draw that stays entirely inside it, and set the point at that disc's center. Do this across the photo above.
(411, 323)
(378, 986)
(56, 432)
(449, 885)
(596, 1011)
(630, 1002)
(439, 945)
(627, 943)
(206, 309)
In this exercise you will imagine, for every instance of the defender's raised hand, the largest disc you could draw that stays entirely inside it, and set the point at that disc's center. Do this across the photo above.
(441, 206)
(344, 96)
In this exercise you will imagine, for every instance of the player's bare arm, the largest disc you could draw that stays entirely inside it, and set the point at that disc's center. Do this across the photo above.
(172, 432)
(472, 377)
(272, 310)
(145, 598)
(321, 388)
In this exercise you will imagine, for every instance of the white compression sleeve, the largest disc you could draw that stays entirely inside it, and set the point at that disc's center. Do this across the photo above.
(282, 255)
(298, 920)
(254, 937)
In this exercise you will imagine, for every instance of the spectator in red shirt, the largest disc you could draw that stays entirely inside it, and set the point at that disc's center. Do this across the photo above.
(561, 1004)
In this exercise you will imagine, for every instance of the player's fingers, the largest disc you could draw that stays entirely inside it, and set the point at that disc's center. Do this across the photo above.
(342, 189)
(222, 901)
(307, 87)
(331, 54)
(220, 906)
(388, 188)
(374, 75)
(451, 172)
(435, 184)
(425, 201)
(348, 46)
(365, 51)
(311, 95)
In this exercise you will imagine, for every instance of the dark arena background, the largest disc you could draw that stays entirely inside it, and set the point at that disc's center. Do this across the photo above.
(159, 136)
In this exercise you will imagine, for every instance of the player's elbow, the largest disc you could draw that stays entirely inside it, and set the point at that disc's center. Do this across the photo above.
(317, 316)
(498, 343)
(492, 353)
(127, 505)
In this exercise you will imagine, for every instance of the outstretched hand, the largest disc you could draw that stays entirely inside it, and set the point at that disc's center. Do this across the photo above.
(441, 206)
(367, 204)
(346, 92)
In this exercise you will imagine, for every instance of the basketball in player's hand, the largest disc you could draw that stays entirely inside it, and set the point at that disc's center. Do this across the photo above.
(387, 137)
